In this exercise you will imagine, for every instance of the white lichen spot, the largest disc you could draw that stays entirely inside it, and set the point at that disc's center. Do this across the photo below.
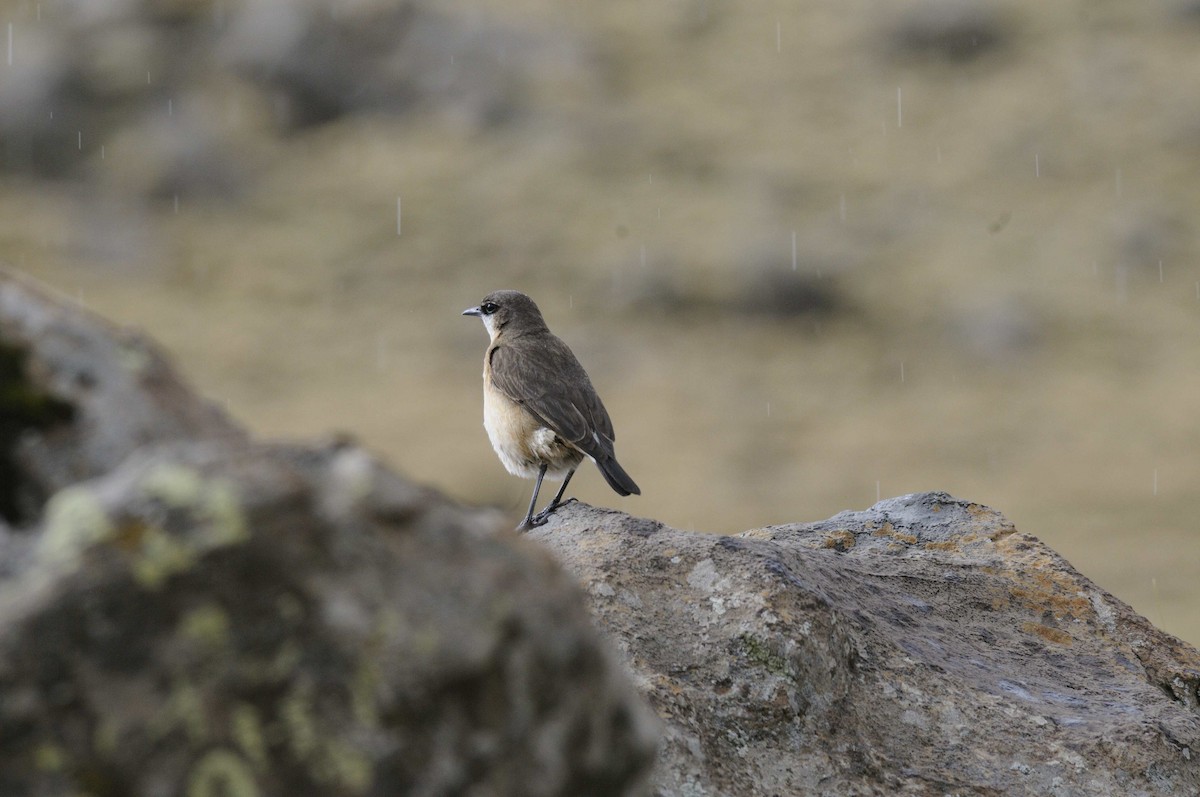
(132, 357)
(351, 479)
(1104, 612)
(602, 589)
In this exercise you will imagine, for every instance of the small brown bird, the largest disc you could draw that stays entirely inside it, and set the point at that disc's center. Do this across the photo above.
(539, 407)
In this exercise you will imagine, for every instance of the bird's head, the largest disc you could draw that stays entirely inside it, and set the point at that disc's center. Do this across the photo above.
(508, 312)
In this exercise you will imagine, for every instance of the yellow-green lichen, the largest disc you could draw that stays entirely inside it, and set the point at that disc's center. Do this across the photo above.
(212, 501)
(160, 555)
(75, 519)
(296, 712)
(104, 738)
(362, 690)
(761, 651)
(214, 511)
(344, 766)
(207, 625)
(222, 773)
(248, 733)
(184, 709)
(49, 757)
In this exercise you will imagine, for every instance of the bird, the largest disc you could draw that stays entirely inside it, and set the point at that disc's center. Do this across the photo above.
(541, 413)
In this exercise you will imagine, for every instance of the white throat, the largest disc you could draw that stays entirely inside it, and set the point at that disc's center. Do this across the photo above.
(489, 323)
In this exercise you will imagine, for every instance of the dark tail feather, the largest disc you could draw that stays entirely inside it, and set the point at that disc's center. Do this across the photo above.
(617, 478)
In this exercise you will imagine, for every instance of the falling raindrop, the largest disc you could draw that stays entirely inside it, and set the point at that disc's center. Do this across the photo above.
(10, 44)
(1160, 272)
(902, 371)
(1156, 481)
(842, 208)
(101, 152)
(80, 140)
(397, 215)
(793, 250)
(643, 255)
(1198, 290)
(170, 107)
(177, 203)
(381, 352)
(778, 37)
(939, 153)
(899, 108)
(1118, 183)
(768, 409)
(570, 301)
(877, 494)
(147, 77)
(1037, 166)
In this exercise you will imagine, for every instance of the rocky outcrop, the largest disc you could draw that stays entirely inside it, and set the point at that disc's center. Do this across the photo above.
(923, 646)
(184, 611)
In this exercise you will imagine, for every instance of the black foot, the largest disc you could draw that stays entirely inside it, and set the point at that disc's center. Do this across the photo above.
(530, 523)
(541, 517)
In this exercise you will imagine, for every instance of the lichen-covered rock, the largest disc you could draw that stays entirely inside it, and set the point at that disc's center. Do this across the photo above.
(923, 646)
(191, 613)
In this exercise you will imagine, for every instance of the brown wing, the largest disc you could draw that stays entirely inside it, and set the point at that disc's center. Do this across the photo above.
(541, 374)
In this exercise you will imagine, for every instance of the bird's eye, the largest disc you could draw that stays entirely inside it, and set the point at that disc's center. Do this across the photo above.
(489, 307)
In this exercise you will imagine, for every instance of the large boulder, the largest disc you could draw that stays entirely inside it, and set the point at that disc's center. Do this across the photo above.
(923, 646)
(184, 611)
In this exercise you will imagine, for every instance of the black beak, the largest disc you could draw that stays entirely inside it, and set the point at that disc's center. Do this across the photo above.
(473, 311)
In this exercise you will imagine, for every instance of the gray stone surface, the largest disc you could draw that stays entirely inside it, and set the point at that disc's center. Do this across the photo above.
(923, 646)
(184, 611)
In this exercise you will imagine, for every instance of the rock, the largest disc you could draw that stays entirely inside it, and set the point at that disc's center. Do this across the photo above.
(327, 60)
(923, 646)
(949, 31)
(184, 611)
(79, 397)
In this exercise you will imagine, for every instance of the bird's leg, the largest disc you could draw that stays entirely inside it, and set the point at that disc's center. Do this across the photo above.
(541, 517)
(528, 522)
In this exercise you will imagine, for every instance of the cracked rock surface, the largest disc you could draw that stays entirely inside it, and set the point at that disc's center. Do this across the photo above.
(923, 646)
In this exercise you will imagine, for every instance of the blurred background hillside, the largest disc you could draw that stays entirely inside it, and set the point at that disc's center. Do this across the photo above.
(812, 253)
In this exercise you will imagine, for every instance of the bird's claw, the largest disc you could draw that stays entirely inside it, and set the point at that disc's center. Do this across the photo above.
(531, 523)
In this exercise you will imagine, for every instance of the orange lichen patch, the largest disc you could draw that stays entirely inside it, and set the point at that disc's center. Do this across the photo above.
(1047, 633)
(840, 540)
(948, 545)
(888, 530)
(1041, 583)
